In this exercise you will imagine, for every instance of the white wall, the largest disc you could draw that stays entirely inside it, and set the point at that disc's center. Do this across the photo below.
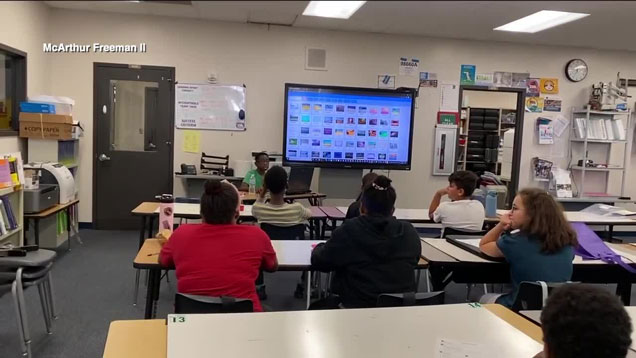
(264, 59)
(25, 26)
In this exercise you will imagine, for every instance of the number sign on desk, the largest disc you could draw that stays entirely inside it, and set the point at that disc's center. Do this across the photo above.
(205, 106)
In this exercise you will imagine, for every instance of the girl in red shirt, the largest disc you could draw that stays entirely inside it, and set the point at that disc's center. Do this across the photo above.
(219, 257)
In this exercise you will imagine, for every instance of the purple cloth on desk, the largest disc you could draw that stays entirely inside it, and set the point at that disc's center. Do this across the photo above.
(591, 247)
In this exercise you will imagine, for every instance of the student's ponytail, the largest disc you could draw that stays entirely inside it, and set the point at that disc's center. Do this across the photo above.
(378, 198)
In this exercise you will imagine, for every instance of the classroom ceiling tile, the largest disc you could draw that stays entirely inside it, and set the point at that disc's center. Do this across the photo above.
(609, 26)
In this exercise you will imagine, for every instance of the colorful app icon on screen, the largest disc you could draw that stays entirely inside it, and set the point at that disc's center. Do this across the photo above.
(315, 154)
(305, 119)
(340, 120)
(328, 120)
(373, 121)
(326, 155)
(373, 133)
(293, 118)
(362, 109)
(328, 131)
(317, 107)
(340, 108)
(328, 108)
(348, 155)
(359, 155)
(291, 153)
(293, 141)
(361, 144)
(395, 123)
(337, 155)
(306, 107)
(381, 156)
(384, 134)
(351, 132)
(361, 133)
(362, 121)
(394, 134)
(304, 154)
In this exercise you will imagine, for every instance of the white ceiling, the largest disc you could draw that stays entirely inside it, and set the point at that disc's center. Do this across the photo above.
(611, 25)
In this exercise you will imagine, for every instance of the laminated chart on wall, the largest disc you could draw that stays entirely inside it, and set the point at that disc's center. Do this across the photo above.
(206, 106)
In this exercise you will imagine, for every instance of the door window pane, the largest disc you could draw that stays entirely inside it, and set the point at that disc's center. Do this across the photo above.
(132, 115)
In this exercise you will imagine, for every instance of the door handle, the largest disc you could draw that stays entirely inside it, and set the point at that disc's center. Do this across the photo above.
(103, 157)
(151, 146)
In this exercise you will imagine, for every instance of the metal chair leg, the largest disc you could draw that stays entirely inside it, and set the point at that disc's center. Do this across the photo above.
(136, 294)
(45, 307)
(51, 295)
(428, 281)
(485, 288)
(22, 306)
(18, 315)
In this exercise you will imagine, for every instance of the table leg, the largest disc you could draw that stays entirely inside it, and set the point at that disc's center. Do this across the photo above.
(311, 229)
(610, 233)
(36, 231)
(68, 226)
(624, 291)
(153, 280)
(142, 231)
(151, 223)
(308, 288)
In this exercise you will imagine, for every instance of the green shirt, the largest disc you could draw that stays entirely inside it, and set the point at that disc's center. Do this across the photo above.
(258, 178)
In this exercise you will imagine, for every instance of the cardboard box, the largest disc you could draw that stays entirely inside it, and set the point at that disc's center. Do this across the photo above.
(46, 126)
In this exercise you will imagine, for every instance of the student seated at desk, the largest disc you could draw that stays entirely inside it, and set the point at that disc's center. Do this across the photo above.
(219, 257)
(277, 211)
(540, 246)
(462, 212)
(581, 321)
(354, 209)
(261, 161)
(373, 253)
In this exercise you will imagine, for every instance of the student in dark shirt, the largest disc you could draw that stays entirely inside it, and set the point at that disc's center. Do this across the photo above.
(540, 246)
(581, 321)
(354, 209)
(373, 253)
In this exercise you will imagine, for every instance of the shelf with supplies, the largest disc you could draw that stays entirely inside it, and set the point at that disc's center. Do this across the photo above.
(579, 140)
(11, 216)
(480, 131)
(595, 169)
(604, 129)
(65, 152)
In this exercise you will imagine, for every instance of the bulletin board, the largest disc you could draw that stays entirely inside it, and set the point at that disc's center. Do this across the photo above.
(207, 106)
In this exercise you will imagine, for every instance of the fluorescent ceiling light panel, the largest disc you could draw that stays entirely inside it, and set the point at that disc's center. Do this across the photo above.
(540, 21)
(333, 9)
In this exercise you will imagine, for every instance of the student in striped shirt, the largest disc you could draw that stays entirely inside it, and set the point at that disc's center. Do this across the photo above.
(277, 211)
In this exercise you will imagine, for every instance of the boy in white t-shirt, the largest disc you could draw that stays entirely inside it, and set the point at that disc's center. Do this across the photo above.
(461, 213)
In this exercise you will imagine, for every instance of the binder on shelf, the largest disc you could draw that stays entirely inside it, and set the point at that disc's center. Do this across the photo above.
(609, 129)
(3, 219)
(618, 128)
(10, 216)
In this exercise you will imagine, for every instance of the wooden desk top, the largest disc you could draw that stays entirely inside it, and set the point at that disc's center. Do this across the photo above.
(50, 211)
(137, 339)
(146, 208)
(148, 255)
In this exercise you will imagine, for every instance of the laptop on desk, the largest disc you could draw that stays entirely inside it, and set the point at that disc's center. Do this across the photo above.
(300, 180)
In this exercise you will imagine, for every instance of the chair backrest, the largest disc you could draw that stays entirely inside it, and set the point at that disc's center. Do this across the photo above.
(180, 199)
(410, 299)
(184, 303)
(532, 295)
(296, 232)
(451, 231)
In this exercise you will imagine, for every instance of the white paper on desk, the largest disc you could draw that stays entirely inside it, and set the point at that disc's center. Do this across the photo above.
(449, 97)
(448, 348)
(559, 124)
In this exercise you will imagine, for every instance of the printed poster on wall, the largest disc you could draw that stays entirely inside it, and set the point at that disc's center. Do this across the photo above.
(520, 80)
(502, 79)
(552, 104)
(549, 85)
(386, 81)
(532, 88)
(483, 79)
(534, 104)
(409, 67)
(428, 79)
(467, 74)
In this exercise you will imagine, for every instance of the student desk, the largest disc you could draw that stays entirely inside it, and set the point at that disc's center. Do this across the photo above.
(336, 333)
(71, 205)
(293, 255)
(448, 262)
(148, 211)
(535, 317)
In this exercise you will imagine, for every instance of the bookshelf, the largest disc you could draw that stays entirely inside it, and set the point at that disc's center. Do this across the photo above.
(598, 132)
(476, 152)
(16, 198)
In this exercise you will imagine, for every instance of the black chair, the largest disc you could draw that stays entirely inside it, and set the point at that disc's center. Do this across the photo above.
(532, 295)
(275, 232)
(184, 303)
(410, 299)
